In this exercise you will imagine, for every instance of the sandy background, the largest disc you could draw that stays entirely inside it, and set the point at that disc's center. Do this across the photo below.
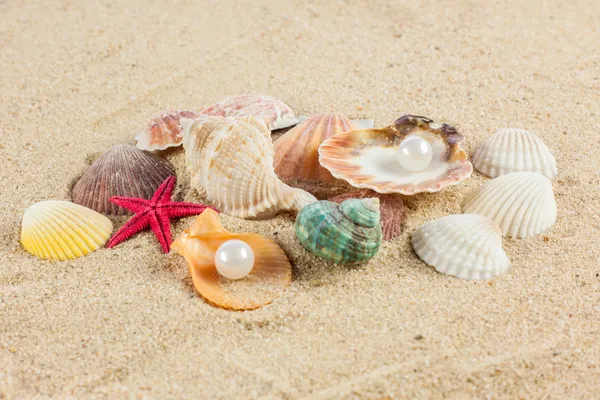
(78, 77)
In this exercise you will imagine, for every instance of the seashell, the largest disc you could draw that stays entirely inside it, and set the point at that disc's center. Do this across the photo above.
(164, 131)
(391, 209)
(122, 170)
(369, 158)
(346, 233)
(521, 203)
(467, 246)
(269, 277)
(61, 230)
(274, 112)
(231, 165)
(514, 150)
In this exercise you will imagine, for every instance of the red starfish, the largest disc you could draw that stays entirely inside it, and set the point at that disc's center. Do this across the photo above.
(155, 213)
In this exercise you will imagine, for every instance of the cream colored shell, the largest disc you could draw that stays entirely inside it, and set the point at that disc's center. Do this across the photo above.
(231, 165)
(514, 150)
(521, 203)
(467, 246)
(60, 230)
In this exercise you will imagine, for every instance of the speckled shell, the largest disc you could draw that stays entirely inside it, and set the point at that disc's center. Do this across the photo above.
(521, 203)
(164, 131)
(123, 170)
(274, 112)
(270, 276)
(231, 166)
(61, 230)
(391, 209)
(368, 158)
(514, 150)
(467, 246)
(346, 233)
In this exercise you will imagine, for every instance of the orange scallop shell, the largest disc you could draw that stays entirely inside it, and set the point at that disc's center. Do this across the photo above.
(164, 131)
(271, 275)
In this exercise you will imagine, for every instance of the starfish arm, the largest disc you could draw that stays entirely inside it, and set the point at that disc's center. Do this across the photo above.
(181, 209)
(161, 226)
(131, 203)
(164, 191)
(137, 223)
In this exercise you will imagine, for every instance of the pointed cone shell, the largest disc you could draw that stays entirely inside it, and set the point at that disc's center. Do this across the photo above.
(274, 112)
(391, 209)
(270, 276)
(296, 152)
(60, 230)
(348, 233)
(164, 131)
(231, 165)
(466, 246)
(514, 150)
(123, 170)
(521, 203)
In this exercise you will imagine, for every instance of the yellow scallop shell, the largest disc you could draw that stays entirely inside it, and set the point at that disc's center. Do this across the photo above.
(61, 230)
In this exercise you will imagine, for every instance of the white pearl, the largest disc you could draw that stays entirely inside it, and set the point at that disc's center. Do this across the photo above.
(234, 259)
(415, 153)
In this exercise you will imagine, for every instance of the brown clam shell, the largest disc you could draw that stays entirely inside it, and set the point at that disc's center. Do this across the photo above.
(391, 209)
(122, 170)
(164, 131)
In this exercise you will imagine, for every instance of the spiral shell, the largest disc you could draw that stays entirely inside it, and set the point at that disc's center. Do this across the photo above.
(467, 246)
(164, 131)
(348, 233)
(514, 150)
(521, 203)
(61, 230)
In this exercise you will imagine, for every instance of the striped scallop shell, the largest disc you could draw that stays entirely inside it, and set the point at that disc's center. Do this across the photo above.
(514, 150)
(467, 246)
(521, 203)
(164, 131)
(61, 230)
(123, 170)
(231, 166)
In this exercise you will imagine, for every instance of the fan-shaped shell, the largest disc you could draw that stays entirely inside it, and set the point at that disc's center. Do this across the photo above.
(521, 203)
(164, 131)
(274, 112)
(514, 150)
(270, 276)
(368, 158)
(231, 165)
(467, 246)
(123, 170)
(60, 230)
(346, 233)
(391, 209)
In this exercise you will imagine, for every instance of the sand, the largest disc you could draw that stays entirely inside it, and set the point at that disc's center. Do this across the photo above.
(78, 77)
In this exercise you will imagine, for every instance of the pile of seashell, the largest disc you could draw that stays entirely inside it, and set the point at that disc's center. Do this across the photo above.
(236, 167)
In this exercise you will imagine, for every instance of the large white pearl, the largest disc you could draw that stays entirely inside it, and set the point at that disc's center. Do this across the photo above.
(415, 153)
(234, 259)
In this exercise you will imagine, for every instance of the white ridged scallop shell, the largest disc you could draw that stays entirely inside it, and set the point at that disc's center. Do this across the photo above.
(521, 203)
(231, 165)
(514, 150)
(467, 246)
(60, 230)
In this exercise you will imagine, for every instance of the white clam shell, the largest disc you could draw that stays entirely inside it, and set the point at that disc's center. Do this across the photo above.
(60, 230)
(231, 165)
(467, 246)
(521, 203)
(514, 150)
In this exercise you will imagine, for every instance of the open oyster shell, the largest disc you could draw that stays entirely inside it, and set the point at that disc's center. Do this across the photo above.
(368, 158)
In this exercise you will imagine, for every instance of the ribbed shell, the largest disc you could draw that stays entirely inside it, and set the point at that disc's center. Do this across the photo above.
(123, 170)
(467, 246)
(323, 229)
(164, 131)
(274, 112)
(521, 203)
(61, 230)
(514, 150)
(231, 165)
(296, 152)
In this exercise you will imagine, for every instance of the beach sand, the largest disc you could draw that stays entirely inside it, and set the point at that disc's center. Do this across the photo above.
(79, 77)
